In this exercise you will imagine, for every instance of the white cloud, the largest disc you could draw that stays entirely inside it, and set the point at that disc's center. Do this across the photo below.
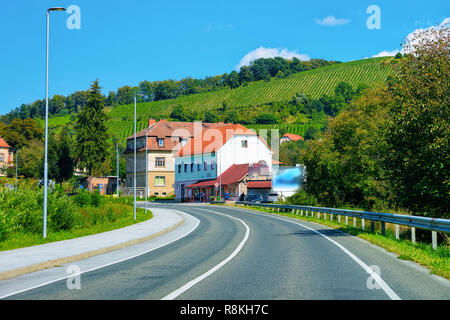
(262, 52)
(331, 21)
(410, 38)
(386, 53)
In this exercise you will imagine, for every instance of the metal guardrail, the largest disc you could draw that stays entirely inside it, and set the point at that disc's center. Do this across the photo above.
(432, 224)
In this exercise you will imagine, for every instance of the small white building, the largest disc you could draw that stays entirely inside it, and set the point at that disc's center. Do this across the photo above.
(207, 156)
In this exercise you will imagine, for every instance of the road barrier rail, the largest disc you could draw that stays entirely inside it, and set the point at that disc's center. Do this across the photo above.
(433, 224)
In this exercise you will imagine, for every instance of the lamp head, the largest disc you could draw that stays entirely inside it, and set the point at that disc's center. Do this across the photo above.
(56, 9)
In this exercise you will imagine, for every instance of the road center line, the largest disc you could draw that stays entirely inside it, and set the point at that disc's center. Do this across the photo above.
(193, 282)
(391, 294)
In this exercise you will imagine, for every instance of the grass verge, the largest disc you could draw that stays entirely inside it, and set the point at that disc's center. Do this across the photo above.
(436, 261)
(20, 239)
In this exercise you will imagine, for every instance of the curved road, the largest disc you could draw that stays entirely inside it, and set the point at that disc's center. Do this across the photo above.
(240, 254)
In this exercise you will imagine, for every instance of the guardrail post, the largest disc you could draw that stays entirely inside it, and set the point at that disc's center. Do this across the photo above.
(413, 235)
(339, 219)
(434, 239)
(325, 216)
(372, 226)
(346, 219)
(354, 222)
(301, 213)
(318, 215)
(363, 224)
(331, 217)
(383, 228)
(397, 232)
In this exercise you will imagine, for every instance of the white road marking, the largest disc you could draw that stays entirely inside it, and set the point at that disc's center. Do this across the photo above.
(193, 282)
(391, 294)
(105, 265)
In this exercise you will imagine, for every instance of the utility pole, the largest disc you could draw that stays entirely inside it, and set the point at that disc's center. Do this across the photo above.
(17, 156)
(118, 182)
(146, 168)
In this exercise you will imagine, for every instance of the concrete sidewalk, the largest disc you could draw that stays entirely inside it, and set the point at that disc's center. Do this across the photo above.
(31, 259)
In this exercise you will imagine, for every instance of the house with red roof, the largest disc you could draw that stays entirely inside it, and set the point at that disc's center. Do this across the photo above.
(215, 162)
(290, 137)
(6, 156)
(157, 144)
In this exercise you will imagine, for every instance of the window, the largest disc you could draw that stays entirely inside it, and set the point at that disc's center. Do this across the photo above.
(161, 142)
(199, 166)
(2, 158)
(160, 181)
(185, 167)
(164, 194)
(244, 143)
(205, 166)
(179, 168)
(192, 167)
(160, 162)
(212, 165)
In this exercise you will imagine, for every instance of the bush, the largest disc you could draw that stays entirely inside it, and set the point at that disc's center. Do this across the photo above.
(302, 198)
(82, 198)
(96, 199)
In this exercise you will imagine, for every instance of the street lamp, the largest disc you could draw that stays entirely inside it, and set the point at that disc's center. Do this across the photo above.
(46, 120)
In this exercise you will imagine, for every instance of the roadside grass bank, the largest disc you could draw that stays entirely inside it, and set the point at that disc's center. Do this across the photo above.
(436, 261)
(83, 214)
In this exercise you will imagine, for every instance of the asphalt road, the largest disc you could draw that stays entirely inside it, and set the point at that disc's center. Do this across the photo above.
(240, 254)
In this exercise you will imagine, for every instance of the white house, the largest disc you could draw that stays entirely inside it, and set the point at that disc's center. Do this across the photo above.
(217, 158)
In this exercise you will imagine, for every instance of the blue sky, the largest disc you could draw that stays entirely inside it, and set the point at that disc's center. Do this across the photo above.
(125, 42)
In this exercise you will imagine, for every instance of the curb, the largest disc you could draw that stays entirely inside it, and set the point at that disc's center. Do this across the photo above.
(58, 262)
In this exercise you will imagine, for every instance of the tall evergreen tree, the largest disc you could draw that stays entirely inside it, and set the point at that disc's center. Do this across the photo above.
(65, 159)
(90, 146)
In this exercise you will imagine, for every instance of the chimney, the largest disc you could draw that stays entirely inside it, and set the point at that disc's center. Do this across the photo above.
(151, 121)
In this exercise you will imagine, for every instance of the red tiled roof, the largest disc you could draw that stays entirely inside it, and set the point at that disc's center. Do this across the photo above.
(293, 137)
(172, 132)
(233, 174)
(213, 140)
(3, 143)
(267, 184)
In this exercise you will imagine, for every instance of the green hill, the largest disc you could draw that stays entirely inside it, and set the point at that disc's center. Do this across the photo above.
(314, 83)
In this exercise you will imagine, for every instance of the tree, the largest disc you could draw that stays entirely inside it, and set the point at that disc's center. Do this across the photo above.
(211, 117)
(30, 160)
(179, 113)
(91, 142)
(66, 162)
(345, 90)
(418, 138)
(19, 132)
(233, 80)
(266, 118)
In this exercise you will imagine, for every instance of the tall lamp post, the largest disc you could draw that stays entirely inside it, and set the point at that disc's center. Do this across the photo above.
(46, 121)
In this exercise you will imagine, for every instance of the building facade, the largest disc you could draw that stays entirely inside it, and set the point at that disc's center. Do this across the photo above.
(6, 156)
(202, 165)
(163, 140)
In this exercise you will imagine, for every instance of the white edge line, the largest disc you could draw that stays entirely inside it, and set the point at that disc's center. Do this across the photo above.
(193, 282)
(392, 295)
(108, 264)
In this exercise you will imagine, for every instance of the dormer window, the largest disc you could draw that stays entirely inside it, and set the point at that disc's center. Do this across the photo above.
(161, 142)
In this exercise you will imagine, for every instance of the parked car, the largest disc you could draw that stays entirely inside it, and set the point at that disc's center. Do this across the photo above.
(272, 198)
(255, 198)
